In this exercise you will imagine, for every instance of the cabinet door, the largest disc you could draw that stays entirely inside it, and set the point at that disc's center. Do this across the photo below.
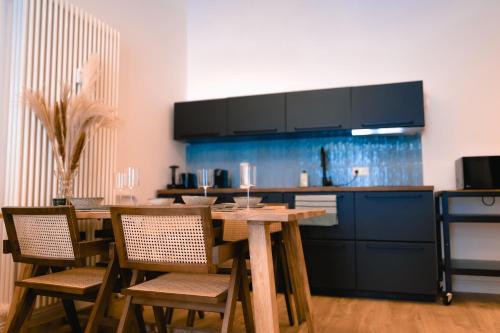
(252, 115)
(395, 216)
(200, 119)
(317, 110)
(330, 265)
(345, 211)
(397, 267)
(388, 105)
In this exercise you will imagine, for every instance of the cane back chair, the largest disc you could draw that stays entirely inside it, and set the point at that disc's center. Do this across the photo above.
(180, 242)
(48, 238)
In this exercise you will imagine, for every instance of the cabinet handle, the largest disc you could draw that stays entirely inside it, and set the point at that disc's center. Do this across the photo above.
(263, 131)
(325, 128)
(201, 135)
(395, 196)
(395, 247)
(385, 124)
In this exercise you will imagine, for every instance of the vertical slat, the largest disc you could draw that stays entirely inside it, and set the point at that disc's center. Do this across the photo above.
(26, 117)
(54, 39)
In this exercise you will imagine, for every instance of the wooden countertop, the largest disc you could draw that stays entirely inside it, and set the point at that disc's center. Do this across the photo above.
(300, 189)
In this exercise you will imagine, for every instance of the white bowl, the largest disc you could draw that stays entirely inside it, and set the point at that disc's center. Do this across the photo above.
(198, 200)
(162, 201)
(243, 202)
(86, 203)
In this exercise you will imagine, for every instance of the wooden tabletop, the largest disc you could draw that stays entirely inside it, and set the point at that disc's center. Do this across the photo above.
(265, 215)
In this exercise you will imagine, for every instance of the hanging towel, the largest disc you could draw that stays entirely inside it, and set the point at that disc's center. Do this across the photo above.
(327, 202)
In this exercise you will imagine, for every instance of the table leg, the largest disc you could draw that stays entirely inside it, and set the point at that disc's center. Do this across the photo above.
(264, 289)
(293, 245)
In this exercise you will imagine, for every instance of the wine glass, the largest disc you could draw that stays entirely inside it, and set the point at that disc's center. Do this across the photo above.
(205, 179)
(248, 178)
(132, 180)
(120, 184)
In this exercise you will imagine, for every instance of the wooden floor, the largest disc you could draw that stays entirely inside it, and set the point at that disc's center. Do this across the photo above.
(468, 313)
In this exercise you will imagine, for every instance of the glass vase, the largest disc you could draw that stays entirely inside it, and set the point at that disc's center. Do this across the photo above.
(64, 189)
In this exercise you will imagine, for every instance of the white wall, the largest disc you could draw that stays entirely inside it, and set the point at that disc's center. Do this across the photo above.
(246, 47)
(152, 77)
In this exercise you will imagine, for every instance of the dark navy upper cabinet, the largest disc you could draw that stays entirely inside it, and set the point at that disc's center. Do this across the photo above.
(388, 105)
(200, 119)
(315, 110)
(252, 115)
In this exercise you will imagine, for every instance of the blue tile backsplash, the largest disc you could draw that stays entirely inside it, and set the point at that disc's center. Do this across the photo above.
(393, 160)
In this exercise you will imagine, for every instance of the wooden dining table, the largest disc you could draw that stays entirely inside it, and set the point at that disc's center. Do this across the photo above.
(259, 221)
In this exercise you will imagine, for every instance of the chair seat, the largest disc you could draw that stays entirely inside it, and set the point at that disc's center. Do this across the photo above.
(202, 288)
(79, 281)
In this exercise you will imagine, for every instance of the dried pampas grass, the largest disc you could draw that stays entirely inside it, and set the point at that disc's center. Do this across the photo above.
(73, 120)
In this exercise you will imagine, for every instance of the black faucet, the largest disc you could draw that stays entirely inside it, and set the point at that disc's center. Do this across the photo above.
(325, 181)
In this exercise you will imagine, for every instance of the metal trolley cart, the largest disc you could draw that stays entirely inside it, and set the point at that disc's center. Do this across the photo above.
(449, 266)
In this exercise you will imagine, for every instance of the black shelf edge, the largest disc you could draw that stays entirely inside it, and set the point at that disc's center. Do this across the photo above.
(475, 267)
(457, 218)
(469, 193)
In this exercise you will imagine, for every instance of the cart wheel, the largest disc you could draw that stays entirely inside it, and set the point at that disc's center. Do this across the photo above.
(446, 298)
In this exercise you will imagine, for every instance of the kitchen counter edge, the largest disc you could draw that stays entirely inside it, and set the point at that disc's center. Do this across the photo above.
(300, 189)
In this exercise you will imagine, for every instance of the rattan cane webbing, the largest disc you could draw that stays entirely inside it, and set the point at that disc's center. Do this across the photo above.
(204, 285)
(76, 279)
(44, 236)
(165, 239)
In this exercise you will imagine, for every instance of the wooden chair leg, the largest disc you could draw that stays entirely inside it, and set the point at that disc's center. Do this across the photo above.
(70, 310)
(126, 315)
(17, 319)
(190, 318)
(130, 309)
(139, 319)
(103, 297)
(23, 311)
(246, 300)
(161, 323)
(232, 296)
(286, 281)
(201, 314)
(169, 315)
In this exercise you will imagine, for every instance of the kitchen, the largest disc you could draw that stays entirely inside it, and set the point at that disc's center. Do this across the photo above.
(295, 55)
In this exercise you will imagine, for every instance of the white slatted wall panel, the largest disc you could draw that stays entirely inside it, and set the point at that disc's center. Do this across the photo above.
(51, 40)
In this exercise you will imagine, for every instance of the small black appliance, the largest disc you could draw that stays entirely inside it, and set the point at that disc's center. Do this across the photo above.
(478, 172)
(221, 178)
(188, 180)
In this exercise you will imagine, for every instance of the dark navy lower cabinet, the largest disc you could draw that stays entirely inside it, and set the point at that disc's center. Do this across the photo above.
(330, 265)
(383, 246)
(395, 216)
(396, 267)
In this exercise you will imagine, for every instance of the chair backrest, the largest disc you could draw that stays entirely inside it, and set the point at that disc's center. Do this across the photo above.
(166, 239)
(42, 235)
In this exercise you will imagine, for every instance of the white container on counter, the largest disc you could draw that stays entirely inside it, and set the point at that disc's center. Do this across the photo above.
(304, 179)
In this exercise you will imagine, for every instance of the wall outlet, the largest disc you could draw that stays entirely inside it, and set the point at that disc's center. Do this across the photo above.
(362, 171)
